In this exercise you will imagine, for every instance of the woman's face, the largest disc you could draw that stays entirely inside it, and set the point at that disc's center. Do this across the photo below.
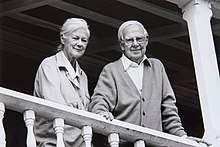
(75, 43)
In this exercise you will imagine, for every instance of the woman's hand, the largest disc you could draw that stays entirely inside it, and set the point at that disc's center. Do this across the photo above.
(75, 105)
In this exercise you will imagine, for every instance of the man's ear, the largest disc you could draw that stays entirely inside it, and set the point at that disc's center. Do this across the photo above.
(146, 43)
(122, 46)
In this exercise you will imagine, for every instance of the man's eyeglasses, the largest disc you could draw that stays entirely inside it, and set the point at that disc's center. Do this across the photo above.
(138, 40)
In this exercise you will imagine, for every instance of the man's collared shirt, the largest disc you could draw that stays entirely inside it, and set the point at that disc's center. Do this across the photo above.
(134, 70)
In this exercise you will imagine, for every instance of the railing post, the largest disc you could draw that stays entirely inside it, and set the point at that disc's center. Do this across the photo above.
(87, 135)
(113, 139)
(2, 130)
(58, 126)
(29, 118)
(139, 143)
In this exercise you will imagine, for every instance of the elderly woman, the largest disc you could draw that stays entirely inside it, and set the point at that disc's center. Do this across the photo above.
(60, 79)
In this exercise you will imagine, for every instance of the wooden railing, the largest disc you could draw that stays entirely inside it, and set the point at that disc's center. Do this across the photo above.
(87, 121)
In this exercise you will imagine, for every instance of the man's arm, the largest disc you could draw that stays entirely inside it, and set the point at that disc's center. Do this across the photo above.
(170, 118)
(104, 97)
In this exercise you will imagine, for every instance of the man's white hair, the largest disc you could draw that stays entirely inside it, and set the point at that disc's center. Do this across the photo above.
(129, 23)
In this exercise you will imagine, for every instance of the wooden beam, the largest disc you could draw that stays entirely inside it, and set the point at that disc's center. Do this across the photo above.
(35, 21)
(21, 40)
(167, 32)
(177, 44)
(154, 9)
(10, 7)
(21, 51)
(87, 13)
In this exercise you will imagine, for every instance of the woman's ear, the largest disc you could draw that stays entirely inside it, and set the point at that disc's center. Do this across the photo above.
(62, 40)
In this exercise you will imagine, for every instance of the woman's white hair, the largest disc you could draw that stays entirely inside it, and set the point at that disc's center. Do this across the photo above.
(129, 23)
(72, 24)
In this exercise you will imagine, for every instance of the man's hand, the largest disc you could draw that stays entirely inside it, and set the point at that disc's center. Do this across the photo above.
(198, 140)
(107, 115)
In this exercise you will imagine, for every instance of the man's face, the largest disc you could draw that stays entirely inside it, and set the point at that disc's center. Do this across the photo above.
(75, 43)
(134, 43)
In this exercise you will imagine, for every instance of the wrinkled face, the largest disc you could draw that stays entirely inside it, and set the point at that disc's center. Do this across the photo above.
(134, 43)
(75, 43)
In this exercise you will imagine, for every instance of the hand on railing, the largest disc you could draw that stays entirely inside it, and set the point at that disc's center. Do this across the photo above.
(75, 105)
(107, 115)
(198, 140)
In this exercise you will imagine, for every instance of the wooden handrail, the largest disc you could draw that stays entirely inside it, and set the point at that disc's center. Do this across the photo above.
(21, 102)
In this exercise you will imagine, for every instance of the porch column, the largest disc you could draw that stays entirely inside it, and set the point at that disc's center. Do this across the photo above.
(198, 13)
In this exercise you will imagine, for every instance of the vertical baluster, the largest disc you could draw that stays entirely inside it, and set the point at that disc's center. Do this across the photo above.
(139, 143)
(29, 118)
(2, 130)
(113, 139)
(87, 135)
(58, 126)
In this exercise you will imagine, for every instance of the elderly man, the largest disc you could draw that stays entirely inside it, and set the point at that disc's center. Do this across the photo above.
(135, 88)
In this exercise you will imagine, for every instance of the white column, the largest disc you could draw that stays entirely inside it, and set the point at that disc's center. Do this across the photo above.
(58, 126)
(29, 118)
(2, 130)
(198, 13)
(113, 140)
(87, 135)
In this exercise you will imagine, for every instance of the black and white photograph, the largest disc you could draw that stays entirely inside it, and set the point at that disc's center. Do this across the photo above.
(109, 73)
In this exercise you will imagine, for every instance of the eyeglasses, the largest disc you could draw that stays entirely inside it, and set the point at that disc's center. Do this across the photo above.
(138, 40)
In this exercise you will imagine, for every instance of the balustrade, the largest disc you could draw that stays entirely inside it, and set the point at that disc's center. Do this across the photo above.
(87, 121)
